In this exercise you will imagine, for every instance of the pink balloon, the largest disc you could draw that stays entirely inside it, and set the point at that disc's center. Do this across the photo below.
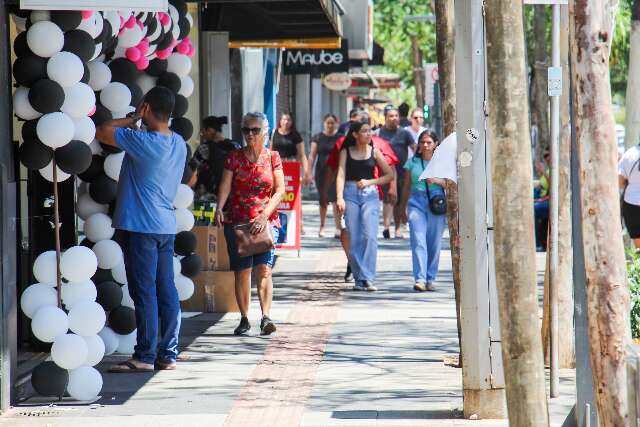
(86, 14)
(183, 48)
(93, 111)
(163, 54)
(133, 54)
(131, 22)
(192, 52)
(187, 40)
(142, 63)
(164, 18)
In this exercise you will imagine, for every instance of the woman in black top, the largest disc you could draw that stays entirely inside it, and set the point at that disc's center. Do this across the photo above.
(289, 144)
(321, 146)
(357, 194)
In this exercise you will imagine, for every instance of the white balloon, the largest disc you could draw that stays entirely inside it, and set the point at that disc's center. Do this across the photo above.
(186, 86)
(93, 25)
(114, 19)
(146, 82)
(87, 206)
(65, 68)
(85, 383)
(123, 114)
(49, 322)
(119, 273)
(177, 267)
(44, 268)
(185, 287)
(127, 301)
(47, 173)
(100, 75)
(184, 197)
(154, 36)
(87, 318)
(119, 52)
(96, 52)
(95, 146)
(40, 15)
(184, 220)
(179, 64)
(74, 293)
(130, 37)
(110, 340)
(79, 100)
(79, 263)
(55, 129)
(45, 39)
(69, 351)
(98, 227)
(189, 18)
(115, 96)
(21, 105)
(113, 164)
(175, 15)
(84, 129)
(127, 343)
(175, 31)
(37, 296)
(21, 23)
(109, 254)
(96, 348)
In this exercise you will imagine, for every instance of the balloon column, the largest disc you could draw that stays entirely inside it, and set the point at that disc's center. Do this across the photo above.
(75, 70)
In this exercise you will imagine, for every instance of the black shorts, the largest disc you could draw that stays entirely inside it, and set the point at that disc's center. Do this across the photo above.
(631, 215)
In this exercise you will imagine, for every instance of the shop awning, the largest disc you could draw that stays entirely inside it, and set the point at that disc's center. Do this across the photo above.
(275, 23)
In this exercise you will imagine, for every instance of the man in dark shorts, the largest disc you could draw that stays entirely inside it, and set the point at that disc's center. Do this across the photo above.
(401, 142)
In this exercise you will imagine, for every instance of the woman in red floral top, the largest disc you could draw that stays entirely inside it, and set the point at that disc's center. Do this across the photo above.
(253, 185)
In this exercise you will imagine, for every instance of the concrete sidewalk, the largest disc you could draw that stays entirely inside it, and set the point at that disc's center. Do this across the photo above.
(340, 358)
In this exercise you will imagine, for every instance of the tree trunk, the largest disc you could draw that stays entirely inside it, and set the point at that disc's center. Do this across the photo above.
(418, 71)
(632, 119)
(607, 293)
(539, 96)
(445, 46)
(508, 128)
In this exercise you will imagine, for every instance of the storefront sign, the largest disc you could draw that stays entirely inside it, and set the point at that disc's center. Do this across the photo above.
(102, 5)
(290, 209)
(317, 61)
(337, 81)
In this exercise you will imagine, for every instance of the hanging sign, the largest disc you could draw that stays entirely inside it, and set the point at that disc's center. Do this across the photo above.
(316, 61)
(290, 209)
(100, 5)
(337, 81)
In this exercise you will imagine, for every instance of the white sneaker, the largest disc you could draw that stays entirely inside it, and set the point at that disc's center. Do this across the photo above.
(369, 286)
(359, 286)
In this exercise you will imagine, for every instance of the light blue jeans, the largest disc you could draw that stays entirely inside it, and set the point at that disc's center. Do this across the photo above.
(362, 211)
(426, 237)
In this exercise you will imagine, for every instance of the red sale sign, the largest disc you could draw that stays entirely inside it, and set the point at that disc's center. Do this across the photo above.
(290, 209)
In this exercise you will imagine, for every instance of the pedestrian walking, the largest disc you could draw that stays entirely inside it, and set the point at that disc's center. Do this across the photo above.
(357, 195)
(401, 141)
(354, 117)
(253, 184)
(321, 146)
(541, 202)
(629, 178)
(288, 143)
(417, 125)
(425, 226)
(151, 171)
(403, 110)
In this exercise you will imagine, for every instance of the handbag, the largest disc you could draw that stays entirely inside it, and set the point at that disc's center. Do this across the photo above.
(437, 201)
(248, 244)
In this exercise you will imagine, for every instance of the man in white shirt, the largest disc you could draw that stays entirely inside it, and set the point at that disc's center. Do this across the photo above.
(629, 179)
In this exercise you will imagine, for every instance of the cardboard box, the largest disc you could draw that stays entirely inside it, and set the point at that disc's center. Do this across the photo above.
(214, 292)
(212, 247)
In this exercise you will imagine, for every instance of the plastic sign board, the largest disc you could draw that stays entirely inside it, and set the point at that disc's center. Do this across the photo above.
(100, 5)
(316, 61)
(337, 81)
(290, 209)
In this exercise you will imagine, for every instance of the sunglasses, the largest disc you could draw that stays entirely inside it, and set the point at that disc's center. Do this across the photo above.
(418, 117)
(254, 131)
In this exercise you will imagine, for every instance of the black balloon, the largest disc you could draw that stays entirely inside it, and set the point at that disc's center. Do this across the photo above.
(101, 274)
(20, 46)
(157, 67)
(185, 243)
(46, 96)
(34, 155)
(74, 157)
(122, 320)
(67, 20)
(136, 94)
(170, 81)
(29, 130)
(94, 170)
(166, 40)
(103, 189)
(105, 33)
(185, 27)
(101, 115)
(48, 379)
(28, 69)
(183, 127)
(180, 5)
(181, 106)
(87, 74)
(123, 71)
(151, 23)
(191, 265)
(110, 149)
(109, 295)
(81, 43)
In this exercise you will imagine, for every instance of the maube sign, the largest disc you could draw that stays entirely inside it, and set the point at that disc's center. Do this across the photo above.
(316, 61)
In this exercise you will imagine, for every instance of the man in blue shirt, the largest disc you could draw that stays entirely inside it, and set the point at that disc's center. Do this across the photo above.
(151, 172)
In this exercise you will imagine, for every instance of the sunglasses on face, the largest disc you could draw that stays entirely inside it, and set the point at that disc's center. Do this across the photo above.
(418, 118)
(254, 131)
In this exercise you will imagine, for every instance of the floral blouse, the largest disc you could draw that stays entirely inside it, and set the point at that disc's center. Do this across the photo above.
(252, 186)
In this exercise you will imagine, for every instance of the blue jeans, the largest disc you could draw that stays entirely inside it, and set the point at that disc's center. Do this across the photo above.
(148, 259)
(362, 211)
(426, 237)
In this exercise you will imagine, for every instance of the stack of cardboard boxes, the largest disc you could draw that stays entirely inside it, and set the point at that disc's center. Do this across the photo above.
(215, 285)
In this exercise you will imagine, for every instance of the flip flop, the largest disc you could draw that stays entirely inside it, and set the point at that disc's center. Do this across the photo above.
(127, 366)
(161, 366)
(183, 357)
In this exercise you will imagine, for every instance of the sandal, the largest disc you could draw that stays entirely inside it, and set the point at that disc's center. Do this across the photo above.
(127, 366)
(162, 366)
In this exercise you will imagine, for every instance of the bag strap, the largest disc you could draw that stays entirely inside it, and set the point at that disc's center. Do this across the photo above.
(426, 183)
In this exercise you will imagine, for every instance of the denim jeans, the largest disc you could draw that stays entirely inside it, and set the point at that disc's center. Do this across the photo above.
(149, 262)
(426, 231)
(362, 209)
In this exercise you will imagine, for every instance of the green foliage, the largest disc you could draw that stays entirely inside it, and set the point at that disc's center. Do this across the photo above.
(633, 273)
(619, 60)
